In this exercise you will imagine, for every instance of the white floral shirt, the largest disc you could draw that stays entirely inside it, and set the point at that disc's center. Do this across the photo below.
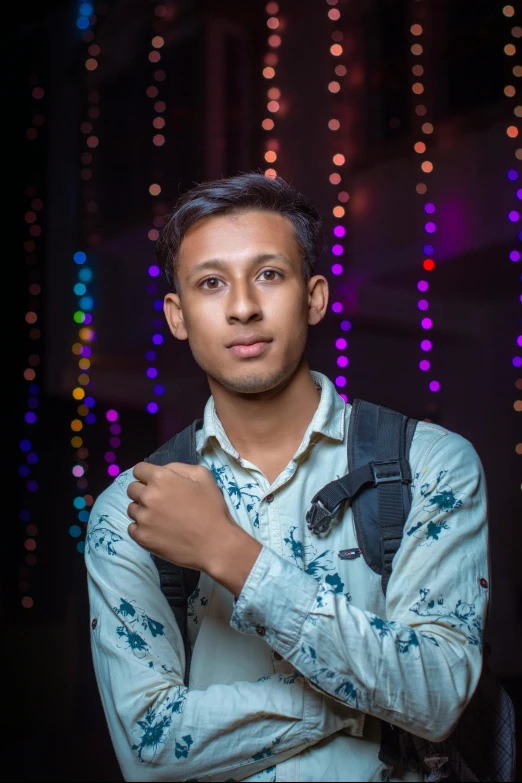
(290, 682)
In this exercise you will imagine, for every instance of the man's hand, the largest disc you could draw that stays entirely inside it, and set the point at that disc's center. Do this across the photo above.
(180, 514)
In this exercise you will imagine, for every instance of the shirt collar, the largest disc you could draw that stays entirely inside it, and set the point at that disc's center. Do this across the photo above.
(328, 419)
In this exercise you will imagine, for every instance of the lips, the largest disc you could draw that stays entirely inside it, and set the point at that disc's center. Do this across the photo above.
(248, 340)
(249, 350)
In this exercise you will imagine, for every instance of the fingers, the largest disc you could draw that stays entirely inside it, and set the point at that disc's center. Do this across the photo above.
(135, 490)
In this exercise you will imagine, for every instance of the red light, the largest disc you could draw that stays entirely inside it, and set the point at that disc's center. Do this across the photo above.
(428, 264)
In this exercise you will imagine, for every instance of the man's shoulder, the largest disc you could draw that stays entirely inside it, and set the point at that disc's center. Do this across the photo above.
(435, 440)
(111, 504)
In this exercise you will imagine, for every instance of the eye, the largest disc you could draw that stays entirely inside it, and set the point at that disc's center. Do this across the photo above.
(270, 272)
(210, 280)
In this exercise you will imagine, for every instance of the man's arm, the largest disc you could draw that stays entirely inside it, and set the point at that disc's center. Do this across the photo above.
(417, 668)
(160, 729)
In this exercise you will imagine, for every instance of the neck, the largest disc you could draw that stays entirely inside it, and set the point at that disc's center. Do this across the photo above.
(274, 420)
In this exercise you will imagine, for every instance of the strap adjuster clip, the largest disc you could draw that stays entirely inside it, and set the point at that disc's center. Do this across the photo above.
(385, 472)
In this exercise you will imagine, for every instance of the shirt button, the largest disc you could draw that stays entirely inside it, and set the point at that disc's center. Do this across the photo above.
(260, 630)
(277, 656)
(94, 623)
(269, 498)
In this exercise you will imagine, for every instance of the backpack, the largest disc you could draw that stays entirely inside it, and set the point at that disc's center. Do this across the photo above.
(378, 487)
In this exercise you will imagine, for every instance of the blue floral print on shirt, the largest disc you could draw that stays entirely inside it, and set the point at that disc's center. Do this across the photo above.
(463, 616)
(440, 499)
(134, 619)
(227, 483)
(99, 535)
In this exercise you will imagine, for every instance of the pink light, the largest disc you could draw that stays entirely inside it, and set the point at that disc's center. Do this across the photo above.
(514, 216)
(514, 256)
(340, 381)
(154, 270)
(434, 386)
(342, 361)
(424, 365)
(115, 429)
(337, 250)
(429, 208)
(430, 227)
(337, 307)
(422, 285)
(78, 471)
(341, 343)
(113, 470)
(337, 269)
(114, 443)
(344, 397)
(339, 231)
(112, 415)
(519, 340)
(425, 345)
(426, 323)
(423, 304)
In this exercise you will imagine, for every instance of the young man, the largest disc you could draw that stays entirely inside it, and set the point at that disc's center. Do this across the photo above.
(297, 656)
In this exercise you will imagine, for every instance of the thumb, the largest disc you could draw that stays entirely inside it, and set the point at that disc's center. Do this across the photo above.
(183, 470)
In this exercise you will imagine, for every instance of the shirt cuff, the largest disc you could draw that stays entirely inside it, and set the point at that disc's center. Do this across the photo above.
(275, 601)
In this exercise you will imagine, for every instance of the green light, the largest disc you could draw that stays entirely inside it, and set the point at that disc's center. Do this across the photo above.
(79, 316)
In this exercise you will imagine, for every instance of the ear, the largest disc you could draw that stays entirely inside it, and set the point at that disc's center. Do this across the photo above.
(317, 299)
(174, 316)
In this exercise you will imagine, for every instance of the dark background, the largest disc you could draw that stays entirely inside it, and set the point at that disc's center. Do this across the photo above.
(215, 96)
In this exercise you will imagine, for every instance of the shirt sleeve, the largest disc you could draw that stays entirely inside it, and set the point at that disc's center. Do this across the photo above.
(160, 729)
(418, 666)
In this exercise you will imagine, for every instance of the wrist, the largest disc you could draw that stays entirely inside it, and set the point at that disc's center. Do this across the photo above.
(233, 559)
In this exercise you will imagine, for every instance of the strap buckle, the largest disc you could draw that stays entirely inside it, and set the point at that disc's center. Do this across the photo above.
(385, 472)
(318, 518)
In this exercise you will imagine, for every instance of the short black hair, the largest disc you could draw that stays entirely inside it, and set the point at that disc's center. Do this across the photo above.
(238, 194)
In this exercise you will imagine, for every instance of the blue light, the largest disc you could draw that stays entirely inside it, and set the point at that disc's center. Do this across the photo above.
(83, 516)
(86, 9)
(86, 303)
(32, 458)
(80, 546)
(75, 531)
(79, 289)
(85, 274)
(159, 389)
(33, 389)
(346, 326)
(158, 304)
(90, 418)
(24, 470)
(25, 445)
(25, 516)
(79, 502)
(89, 402)
(82, 22)
(80, 257)
(428, 250)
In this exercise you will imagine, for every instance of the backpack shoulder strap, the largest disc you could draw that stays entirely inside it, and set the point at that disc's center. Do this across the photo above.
(381, 437)
(178, 583)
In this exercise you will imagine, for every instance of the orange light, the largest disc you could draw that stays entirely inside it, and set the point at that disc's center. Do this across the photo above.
(31, 317)
(427, 166)
(29, 374)
(508, 10)
(334, 125)
(518, 449)
(421, 188)
(272, 106)
(76, 442)
(418, 88)
(77, 348)
(343, 196)
(160, 106)
(416, 29)
(509, 91)
(339, 159)
(84, 364)
(417, 70)
(78, 394)
(27, 602)
(92, 141)
(334, 86)
(153, 234)
(86, 127)
(517, 111)
(83, 379)
(271, 173)
(517, 71)
(272, 23)
(274, 41)
(271, 58)
(268, 72)
(274, 93)
(272, 144)
(428, 264)
(419, 147)
(334, 14)
(427, 127)
(518, 405)
(336, 50)
(91, 64)
(518, 153)
(267, 124)
(154, 189)
(272, 8)
(335, 179)
(338, 212)
(512, 132)
(518, 383)
(510, 49)
(76, 425)
(83, 410)
(516, 32)
(157, 41)
(420, 110)
(158, 140)
(340, 70)
(89, 500)
(158, 122)
(86, 334)
(154, 56)
(151, 91)
(416, 49)
(270, 156)
(94, 50)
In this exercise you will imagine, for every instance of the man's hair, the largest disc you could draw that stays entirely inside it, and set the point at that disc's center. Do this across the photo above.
(231, 196)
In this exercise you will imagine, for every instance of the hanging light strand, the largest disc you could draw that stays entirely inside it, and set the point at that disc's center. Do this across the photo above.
(338, 162)
(272, 143)
(424, 130)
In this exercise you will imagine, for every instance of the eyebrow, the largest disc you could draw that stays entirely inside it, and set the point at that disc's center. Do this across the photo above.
(217, 263)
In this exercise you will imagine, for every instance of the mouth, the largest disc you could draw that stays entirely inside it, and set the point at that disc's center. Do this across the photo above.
(248, 351)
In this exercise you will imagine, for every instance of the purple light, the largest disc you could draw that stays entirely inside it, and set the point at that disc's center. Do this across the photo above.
(344, 397)
(30, 417)
(113, 470)
(90, 418)
(150, 355)
(514, 216)
(341, 343)
(519, 193)
(342, 361)
(339, 231)
(32, 458)
(159, 390)
(32, 486)
(337, 269)
(434, 386)
(512, 175)
(154, 270)
(157, 323)
(340, 381)
(424, 365)
(337, 307)
(514, 256)
(426, 345)
(157, 339)
(422, 285)
(346, 326)
(429, 208)
(423, 304)
(86, 351)
(87, 319)
(430, 227)
(112, 415)
(25, 445)
(337, 250)
(517, 361)
(426, 323)
(158, 304)
(25, 516)
(32, 402)
(428, 250)
(152, 288)
(115, 429)
(519, 340)
(152, 407)
(114, 443)
(110, 456)
(152, 372)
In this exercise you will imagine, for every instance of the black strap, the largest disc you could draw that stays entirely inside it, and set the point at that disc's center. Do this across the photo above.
(178, 583)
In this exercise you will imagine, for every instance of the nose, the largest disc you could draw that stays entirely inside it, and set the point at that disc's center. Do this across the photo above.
(243, 304)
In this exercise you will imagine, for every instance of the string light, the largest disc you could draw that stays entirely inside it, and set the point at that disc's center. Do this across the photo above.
(425, 131)
(160, 16)
(512, 133)
(338, 243)
(28, 469)
(275, 106)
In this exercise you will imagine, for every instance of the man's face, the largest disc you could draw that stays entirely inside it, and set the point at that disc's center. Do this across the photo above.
(240, 278)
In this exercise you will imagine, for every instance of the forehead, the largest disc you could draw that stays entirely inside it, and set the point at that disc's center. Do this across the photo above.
(238, 236)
